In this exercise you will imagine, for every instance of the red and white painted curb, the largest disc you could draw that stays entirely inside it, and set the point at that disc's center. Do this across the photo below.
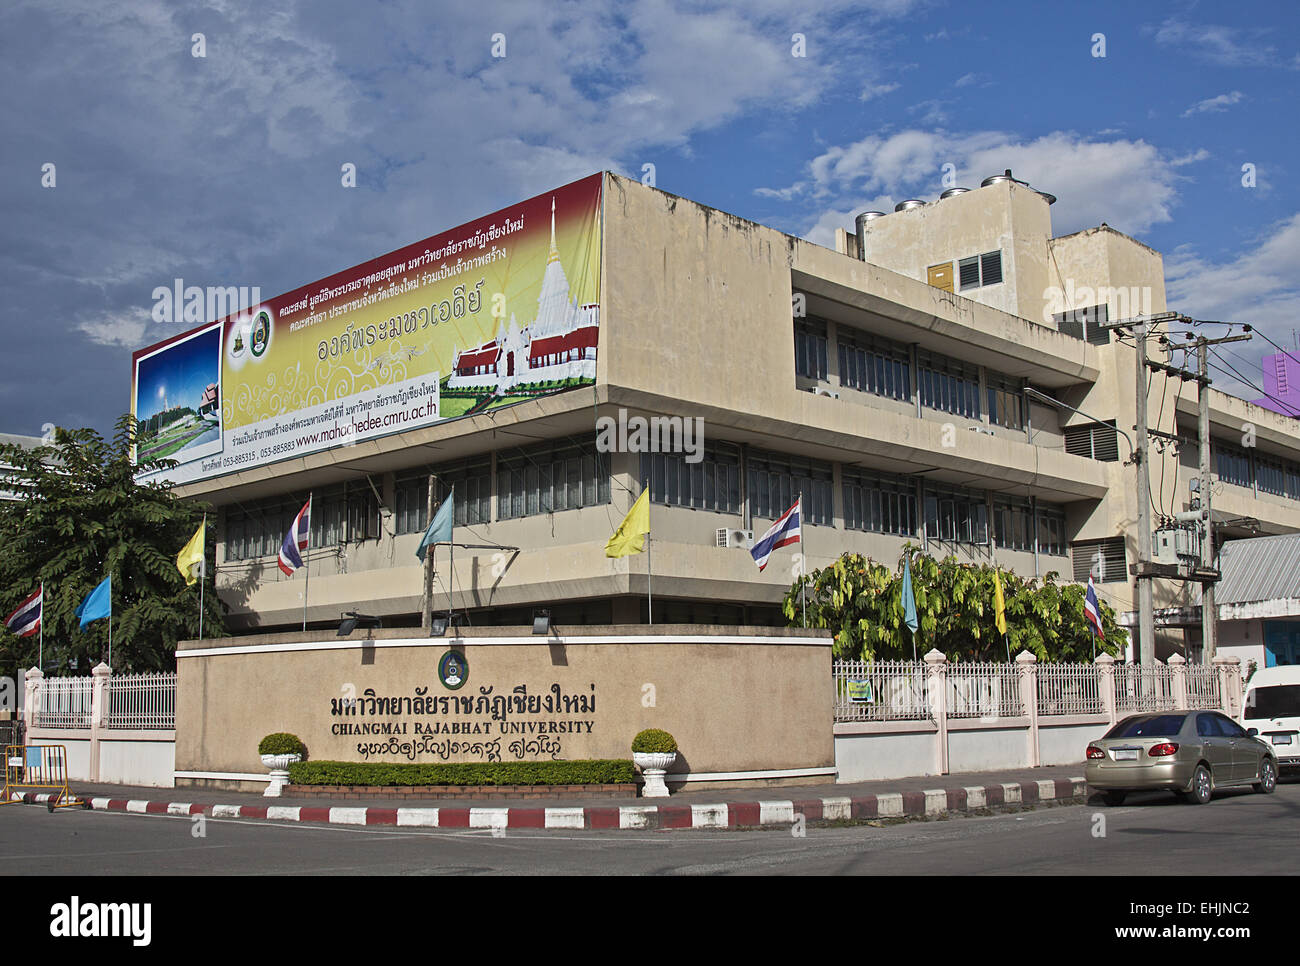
(726, 815)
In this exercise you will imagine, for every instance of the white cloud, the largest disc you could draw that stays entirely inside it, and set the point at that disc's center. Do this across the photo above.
(1200, 154)
(1224, 46)
(1126, 183)
(1214, 104)
(123, 328)
(877, 90)
(965, 80)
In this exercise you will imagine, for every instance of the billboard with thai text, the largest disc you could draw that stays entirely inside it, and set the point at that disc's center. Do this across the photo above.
(492, 313)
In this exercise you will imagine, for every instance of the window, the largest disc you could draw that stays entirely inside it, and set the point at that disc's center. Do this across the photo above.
(948, 385)
(1097, 441)
(1051, 531)
(1270, 475)
(775, 482)
(879, 503)
(711, 484)
(810, 349)
(1085, 323)
(874, 365)
(1013, 524)
(940, 276)
(1006, 401)
(980, 270)
(956, 515)
(1231, 464)
(550, 478)
(257, 529)
(1105, 560)
(469, 482)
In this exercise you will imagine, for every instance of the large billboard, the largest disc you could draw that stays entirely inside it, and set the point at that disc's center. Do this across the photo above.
(497, 311)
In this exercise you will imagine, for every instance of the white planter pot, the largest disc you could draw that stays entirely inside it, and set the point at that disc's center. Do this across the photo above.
(279, 768)
(653, 765)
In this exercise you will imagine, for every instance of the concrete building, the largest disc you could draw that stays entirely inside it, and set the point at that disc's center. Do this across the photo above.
(890, 392)
(6, 484)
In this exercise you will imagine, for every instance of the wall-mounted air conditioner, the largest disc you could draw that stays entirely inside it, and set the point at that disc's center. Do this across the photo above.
(734, 538)
(983, 429)
(823, 391)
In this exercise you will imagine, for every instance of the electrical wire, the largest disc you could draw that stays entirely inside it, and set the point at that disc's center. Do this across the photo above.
(1290, 409)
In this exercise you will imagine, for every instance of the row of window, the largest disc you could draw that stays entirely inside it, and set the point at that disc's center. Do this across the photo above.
(1265, 473)
(883, 368)
(876, 503)
(344, 513)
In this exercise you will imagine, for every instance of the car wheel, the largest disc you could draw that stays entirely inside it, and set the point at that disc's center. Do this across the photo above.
(1202, 786)
(1114, 798)
(1267, 777)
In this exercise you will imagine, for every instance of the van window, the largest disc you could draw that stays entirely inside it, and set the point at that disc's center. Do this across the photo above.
(1278, 701)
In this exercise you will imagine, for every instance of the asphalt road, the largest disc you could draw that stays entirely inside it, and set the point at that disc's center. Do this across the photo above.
(1238, 833)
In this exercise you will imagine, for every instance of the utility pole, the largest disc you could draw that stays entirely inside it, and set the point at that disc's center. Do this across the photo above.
(1145, 646)
(1209, 610)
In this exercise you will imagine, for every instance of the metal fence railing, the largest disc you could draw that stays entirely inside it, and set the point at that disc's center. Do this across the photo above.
(1143, 687)
(880, 691)
(900, 690)
(984, 691)
(1203, 686)
(1069, 689)
(142, 701)
(64, 703)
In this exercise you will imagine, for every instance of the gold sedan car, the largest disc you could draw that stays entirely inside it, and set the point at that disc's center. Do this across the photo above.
(1190, 753)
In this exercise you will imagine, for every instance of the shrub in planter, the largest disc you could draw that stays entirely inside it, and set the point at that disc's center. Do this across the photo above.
(653, 740)
(282, 743)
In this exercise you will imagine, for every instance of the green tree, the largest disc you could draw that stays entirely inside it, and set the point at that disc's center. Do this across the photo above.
(861, 601)
(83, 516)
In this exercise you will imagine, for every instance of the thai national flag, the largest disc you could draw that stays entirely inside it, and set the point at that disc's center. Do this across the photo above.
(783, 533)
(295, 541)
(26, 620)
(1091, 610)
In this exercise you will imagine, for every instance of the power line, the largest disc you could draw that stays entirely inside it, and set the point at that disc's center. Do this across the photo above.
(1291, 410)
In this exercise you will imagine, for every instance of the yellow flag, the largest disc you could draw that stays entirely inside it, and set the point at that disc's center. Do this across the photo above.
(629, 538)
(999, 606)
(190, 560)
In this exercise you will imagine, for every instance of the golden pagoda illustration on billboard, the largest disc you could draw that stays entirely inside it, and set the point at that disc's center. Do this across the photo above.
(559, 344)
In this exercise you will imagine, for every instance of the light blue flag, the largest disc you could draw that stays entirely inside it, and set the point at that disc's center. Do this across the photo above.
(439, 528)
(909, 601)
(98, 603)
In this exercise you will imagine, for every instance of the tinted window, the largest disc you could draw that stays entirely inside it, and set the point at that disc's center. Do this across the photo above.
(1280, 701)
(1148, 726)
(1207, 726)
(1229, 727)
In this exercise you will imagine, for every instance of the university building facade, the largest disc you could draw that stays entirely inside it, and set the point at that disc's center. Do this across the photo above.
(900, 393)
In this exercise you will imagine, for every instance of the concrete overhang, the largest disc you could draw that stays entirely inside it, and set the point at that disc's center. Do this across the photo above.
(1231, 417)
(846, 290)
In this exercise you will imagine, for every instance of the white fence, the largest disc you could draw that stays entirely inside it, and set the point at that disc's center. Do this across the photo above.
(904, 690)
(142, 701)
(905, 718)
(114, 728)
(64, 703)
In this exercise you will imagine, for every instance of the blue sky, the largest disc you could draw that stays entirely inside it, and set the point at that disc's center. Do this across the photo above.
(225, 169)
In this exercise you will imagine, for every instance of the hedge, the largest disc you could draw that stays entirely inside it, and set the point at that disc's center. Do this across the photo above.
(597, 772)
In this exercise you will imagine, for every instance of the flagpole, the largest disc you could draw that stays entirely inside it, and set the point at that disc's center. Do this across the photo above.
(803, 566)
(203, 571)
(40, 659)
(306, 558)
(649, 565)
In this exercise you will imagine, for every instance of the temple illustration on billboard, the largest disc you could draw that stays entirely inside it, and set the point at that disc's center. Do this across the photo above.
(559, 344)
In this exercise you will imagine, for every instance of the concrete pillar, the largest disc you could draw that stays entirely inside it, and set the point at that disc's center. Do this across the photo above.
(1105, 665)
(1027, 666)
(34, 682)
(1179, 665)
(936, 685)
(1230, 691)
(98, 712)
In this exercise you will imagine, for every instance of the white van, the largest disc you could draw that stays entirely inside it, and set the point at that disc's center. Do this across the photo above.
(1272, 711)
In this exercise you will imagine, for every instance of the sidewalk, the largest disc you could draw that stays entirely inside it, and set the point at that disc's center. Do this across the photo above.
(736, 808)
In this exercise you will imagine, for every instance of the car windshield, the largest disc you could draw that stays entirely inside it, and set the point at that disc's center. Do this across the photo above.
(1148, 726)
(1279, 701)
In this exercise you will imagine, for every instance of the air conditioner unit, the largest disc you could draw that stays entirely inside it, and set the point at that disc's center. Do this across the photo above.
(734, 538)
(822, 391)
(983, 429)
